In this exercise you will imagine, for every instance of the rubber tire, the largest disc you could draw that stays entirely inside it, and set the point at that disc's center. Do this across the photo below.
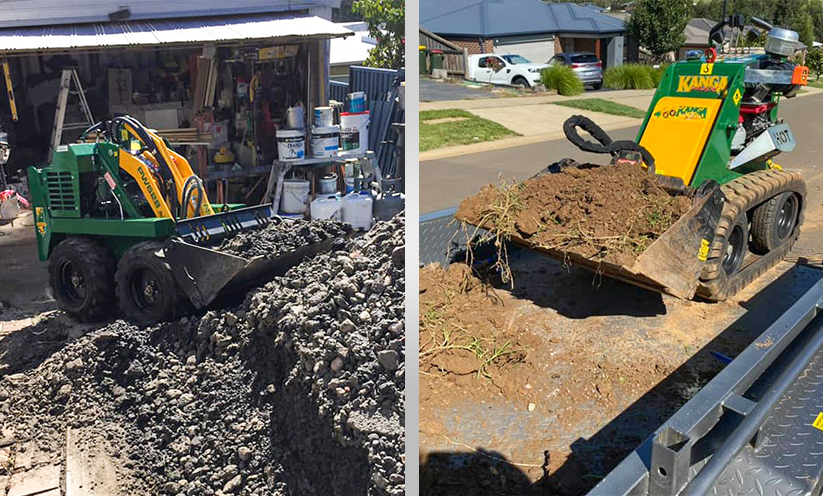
(765, 235)
(171, 301)
(742, 222)
(521, 82)
(597, 86)
(97, 266)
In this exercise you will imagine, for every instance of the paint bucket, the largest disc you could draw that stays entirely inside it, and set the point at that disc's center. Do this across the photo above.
(327, 183)
(357, 209)
(327, 207)
(349, 184)
(325, 141)
(354, 133)
(295, 118)
(291, 145)
(295, 196)
(323, 116)
(357, 102)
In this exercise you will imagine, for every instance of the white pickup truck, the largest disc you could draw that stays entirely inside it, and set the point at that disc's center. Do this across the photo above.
(504, 69)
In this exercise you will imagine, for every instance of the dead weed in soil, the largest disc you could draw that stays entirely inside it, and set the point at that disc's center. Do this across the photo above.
(459, 331)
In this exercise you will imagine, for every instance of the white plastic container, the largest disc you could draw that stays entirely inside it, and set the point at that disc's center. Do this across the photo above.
(327, 207)
(295, 196)
(323, 117)
(349, 184)
(291, 145)
(354, 133)
(357, 209)
(327, 184)
(325, 141)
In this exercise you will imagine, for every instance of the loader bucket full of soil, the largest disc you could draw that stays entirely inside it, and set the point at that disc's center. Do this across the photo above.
(236, 263)
(616, 220)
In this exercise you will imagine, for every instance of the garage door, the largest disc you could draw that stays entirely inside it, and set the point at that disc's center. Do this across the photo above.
(536, 51)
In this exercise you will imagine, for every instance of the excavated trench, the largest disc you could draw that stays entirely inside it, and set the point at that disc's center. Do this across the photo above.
(298, 390)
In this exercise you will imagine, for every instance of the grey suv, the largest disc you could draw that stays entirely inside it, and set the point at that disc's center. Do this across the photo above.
(585, 64)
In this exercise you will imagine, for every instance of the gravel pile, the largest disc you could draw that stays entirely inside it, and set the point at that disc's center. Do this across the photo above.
(278, 238)
(299, 390)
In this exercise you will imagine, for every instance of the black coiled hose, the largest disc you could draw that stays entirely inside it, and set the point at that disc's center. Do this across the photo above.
(605, 143)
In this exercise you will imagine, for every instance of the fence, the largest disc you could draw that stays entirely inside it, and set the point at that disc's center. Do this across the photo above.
(378, 84)
(375, 83)
(454, 57)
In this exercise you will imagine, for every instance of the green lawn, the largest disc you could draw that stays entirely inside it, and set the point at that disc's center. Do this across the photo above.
(605, 106)
(471, 130)
(816, 84)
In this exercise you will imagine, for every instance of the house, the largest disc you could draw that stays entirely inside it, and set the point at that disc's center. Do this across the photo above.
(530, 28)
(349, 51)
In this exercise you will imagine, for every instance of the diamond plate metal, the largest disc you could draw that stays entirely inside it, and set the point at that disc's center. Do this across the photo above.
(441, 238)
(790, 459)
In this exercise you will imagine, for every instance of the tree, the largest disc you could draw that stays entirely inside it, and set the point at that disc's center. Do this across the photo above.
(658, 25)
(815, 62)
(816, 11)
(387, 21)
(794, 14)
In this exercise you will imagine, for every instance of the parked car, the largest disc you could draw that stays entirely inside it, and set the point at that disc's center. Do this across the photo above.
(504, 69)
(586, 65)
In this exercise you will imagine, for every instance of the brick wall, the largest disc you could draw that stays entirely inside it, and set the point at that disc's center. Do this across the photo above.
(473, 46)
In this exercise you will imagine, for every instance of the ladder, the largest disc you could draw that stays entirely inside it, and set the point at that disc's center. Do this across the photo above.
(68, 77)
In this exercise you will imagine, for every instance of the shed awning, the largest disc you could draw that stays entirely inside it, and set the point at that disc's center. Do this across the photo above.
(166, 32)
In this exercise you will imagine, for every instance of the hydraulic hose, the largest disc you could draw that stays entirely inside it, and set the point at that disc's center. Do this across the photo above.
(192, 184)
(604, 144)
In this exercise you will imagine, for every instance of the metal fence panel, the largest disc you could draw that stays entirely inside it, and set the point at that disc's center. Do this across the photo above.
(338, 90)
(376, 83)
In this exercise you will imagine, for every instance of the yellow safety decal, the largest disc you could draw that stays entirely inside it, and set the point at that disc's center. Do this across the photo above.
(818, 423)
(703, 254)
(737, 96)
(706, 69)
(40, 220)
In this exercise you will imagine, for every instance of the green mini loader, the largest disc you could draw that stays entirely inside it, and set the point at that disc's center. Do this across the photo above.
(711, 132)
(123, 221)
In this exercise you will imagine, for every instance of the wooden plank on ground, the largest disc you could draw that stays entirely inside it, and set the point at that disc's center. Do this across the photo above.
(39, 481)
(90, 471)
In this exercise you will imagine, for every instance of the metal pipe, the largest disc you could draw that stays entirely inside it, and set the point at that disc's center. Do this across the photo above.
(743, 433)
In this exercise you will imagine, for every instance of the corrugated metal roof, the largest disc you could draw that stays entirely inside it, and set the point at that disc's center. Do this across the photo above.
(166, 32)
(23, 13)
(490, 18)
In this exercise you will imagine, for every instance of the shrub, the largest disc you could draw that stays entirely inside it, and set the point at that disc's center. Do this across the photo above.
(657, 73)
(562, 79)
(628, 77)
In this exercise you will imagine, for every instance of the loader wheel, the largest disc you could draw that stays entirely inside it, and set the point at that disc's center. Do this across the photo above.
(737, 244)
(146, 288)
(81, 274)
(774, 221)
(722, 277)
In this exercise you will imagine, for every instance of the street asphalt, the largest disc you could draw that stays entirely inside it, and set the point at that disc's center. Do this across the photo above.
(445, 182)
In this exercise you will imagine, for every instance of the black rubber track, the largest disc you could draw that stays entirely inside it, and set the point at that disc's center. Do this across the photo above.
(143, 255)
(744, 194)
(98, 265)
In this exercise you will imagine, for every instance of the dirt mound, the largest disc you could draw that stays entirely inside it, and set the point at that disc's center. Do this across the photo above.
(558, 382)
(608, 213)
(465, 328)
(278, 238)
(299, 390)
